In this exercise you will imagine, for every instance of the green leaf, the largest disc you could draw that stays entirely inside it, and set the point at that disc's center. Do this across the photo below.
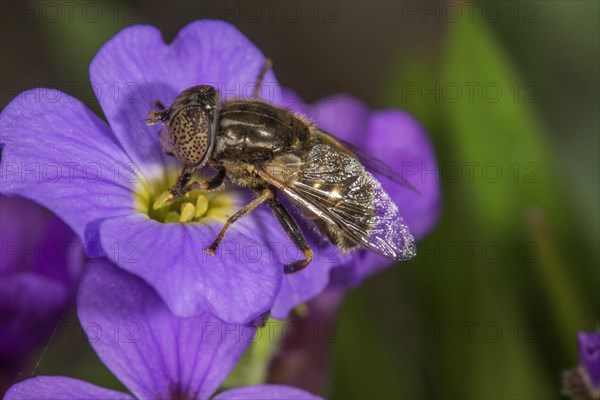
(253, 367)
(499, 143)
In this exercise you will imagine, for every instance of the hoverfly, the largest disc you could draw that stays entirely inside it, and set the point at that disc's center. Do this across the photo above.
(269, 149)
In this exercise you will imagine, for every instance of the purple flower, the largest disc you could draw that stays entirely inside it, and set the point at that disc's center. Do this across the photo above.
(40, 263)
(395, 137)
(584, 382)
(154, 353)
(103, 180)
(589, 357)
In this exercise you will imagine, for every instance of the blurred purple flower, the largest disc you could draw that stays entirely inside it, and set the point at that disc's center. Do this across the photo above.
(101, 180)
(589, 357)
(40, 264)
(584, 382)
(154, 353)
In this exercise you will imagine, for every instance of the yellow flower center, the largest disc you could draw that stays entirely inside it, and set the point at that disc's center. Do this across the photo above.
(195, 206)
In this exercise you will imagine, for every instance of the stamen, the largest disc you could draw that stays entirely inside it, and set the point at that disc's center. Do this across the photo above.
(153, 198)
(162, 200)
(187, 212)
(201, 206)
(172, 216)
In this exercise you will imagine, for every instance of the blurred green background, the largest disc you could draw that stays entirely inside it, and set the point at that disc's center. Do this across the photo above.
(509, 92)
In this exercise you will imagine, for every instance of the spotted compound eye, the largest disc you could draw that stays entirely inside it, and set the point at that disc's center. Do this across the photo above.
(190, 135)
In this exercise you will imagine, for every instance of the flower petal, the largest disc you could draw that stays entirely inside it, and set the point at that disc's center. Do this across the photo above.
(30, 308)
(154, 353)
(236, 285)
(308, 283)
(39, 268)
(266, 392)
(60, 388)
(23, 221)
(396, 138)
(136, 67)
(344, 117)
(401, 142)
(58, 153)
(33, 240)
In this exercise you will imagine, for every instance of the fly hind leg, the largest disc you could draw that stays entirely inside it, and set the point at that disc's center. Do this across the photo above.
(265, 195)
(291, 228)
(283, 217)
(261, 77)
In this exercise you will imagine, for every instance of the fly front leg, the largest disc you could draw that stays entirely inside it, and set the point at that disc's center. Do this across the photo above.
(155, 116)
(261, 77)
(181, 187)
(265, 195)
(158, 104)
(291, 228)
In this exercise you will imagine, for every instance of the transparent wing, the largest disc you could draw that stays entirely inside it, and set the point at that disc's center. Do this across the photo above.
(336, 187)
(371, 162)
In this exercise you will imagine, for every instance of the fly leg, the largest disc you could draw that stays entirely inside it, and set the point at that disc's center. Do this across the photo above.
(265, 195)
(291, 228)
(181, 187)
(159, 105)
(155, 116)
(261, 77)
